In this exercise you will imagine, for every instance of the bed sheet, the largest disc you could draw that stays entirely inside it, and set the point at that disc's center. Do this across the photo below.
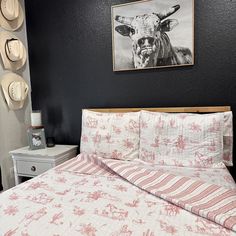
(75, 200)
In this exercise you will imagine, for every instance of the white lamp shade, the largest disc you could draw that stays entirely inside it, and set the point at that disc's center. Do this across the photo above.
(36, 119)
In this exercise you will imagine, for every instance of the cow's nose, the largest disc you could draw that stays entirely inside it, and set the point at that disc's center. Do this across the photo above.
(147, 41)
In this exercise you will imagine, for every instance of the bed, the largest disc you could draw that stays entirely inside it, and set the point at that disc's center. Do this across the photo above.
(107, 190)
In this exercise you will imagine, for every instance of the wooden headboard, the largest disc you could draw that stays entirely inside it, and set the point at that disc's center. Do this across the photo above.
(167, 109)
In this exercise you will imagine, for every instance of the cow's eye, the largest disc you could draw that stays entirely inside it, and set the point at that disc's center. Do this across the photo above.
(132, 31)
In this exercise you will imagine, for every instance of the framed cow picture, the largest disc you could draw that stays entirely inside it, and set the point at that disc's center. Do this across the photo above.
(153, 34)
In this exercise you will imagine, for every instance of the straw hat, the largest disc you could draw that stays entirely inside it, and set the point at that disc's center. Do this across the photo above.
(11, 14)
(12, 51)
(15, 90)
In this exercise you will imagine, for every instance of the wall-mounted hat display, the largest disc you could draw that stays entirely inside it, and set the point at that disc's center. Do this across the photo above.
(12, 51)
(11, 14)
(15, 90)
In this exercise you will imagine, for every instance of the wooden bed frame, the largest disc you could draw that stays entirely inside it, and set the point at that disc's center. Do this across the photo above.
(167, 109)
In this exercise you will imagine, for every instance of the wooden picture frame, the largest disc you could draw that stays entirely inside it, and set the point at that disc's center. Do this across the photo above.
(152, 34)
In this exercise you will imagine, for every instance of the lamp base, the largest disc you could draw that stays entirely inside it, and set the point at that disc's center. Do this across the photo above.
(50, 142)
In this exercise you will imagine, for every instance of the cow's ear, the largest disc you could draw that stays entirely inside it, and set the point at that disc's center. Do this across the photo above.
(168, 25)
(123, 30)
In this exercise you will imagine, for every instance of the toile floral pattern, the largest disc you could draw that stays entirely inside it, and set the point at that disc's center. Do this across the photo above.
(74, 200)
(110, 135)
(181, 139)
(228, 139)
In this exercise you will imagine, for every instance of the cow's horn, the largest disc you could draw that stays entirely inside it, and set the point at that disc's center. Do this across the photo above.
(124, 20)
(169, 12)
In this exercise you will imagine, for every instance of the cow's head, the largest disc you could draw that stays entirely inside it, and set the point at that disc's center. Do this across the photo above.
(145, 31)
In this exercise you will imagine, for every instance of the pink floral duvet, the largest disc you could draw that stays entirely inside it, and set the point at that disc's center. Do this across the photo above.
(90, 196)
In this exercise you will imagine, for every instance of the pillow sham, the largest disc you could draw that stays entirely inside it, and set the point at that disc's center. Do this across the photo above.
(182, 139)
(110, 135)
(228, 139)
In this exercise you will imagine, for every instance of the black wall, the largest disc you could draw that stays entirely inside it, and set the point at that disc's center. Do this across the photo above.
(71, 64)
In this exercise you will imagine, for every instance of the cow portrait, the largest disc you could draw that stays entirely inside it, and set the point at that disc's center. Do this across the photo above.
(151, 46)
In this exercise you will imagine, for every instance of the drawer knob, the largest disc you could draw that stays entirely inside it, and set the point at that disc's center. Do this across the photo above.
(33, 168)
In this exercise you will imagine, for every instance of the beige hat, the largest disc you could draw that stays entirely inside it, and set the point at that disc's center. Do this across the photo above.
(15, 90)
(12, 51)
(11, 14)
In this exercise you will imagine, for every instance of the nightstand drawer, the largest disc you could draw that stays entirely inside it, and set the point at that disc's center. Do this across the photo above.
(32, 168)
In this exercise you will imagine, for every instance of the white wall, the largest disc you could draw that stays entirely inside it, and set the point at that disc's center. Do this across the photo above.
(13, 124)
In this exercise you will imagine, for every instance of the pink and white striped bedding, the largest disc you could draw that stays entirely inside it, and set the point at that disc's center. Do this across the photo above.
(93, 196)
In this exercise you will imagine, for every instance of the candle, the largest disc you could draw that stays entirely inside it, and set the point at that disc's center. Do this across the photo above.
(36, 119)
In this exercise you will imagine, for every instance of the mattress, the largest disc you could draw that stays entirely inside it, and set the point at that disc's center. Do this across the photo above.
(80, 199)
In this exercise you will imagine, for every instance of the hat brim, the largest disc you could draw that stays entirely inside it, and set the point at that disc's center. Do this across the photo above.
(12, 25)
(7, 64)
(6, 80)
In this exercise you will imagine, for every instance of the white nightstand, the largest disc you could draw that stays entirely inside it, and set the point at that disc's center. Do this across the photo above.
(30, 163)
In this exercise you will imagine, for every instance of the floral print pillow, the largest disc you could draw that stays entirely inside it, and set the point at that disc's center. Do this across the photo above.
(110, 135)
(228, 139)
(181, 139)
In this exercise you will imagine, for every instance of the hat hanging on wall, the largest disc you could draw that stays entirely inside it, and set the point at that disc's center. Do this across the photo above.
(15, 90)
(11, 14)
(12, 51)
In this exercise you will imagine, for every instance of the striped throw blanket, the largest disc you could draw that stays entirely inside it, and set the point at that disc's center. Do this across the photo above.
(207, 200)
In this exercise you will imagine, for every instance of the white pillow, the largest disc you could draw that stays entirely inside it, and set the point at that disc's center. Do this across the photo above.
(110, 135)
(181, 139)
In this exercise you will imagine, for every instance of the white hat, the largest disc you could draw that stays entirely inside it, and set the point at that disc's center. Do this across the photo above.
(11, 14)
(12, 51)
(15, 90)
